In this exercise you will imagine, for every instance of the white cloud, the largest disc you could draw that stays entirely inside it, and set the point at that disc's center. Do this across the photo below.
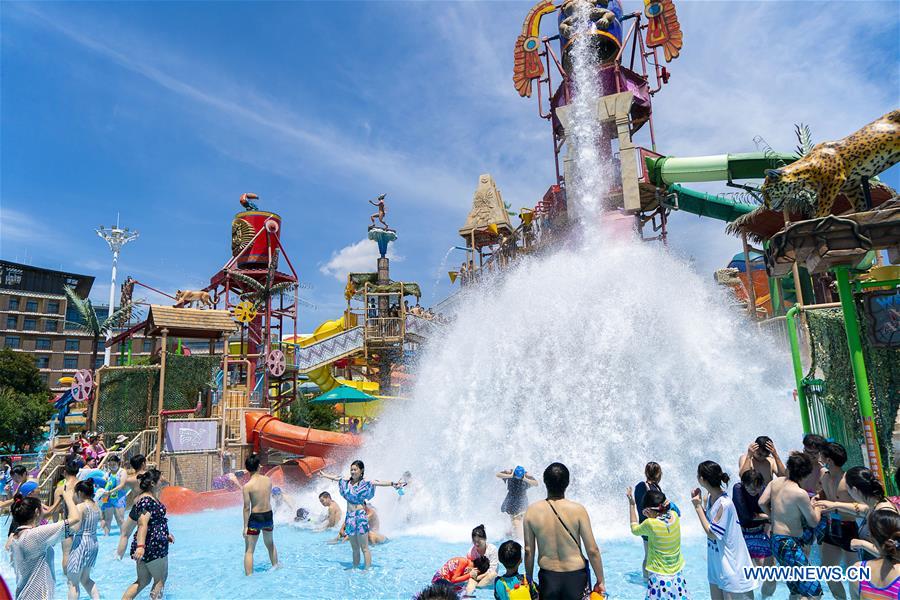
(361, 257)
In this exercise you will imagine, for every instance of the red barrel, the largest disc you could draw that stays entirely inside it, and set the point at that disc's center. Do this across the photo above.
(244, 229)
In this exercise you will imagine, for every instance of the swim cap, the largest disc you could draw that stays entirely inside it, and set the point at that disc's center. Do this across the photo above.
(519, 473)
(276, 491)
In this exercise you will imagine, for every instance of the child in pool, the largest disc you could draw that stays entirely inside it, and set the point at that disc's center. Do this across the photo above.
(459, 570)
(661, 528)
(506, 585)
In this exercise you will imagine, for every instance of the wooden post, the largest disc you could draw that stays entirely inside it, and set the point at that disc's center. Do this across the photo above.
(162, 395)
(751, 290)
(222, 400)
(95, 401)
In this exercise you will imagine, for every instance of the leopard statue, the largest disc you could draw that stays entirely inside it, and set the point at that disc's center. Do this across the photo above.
(811, 185)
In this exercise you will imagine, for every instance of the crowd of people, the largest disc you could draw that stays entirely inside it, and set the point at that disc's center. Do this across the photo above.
(776, 514)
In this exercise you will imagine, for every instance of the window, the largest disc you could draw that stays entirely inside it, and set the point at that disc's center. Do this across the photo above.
(31, 306)
(50, 325)
(43, 362)
(13, 304)
(70, 362)
(30, 325)
(13, 341)
(72, 345)
(53, 307)
(99, 362)
(148, 345)
(12, 322)
(42, 344)
(73, 316)
(45, 378)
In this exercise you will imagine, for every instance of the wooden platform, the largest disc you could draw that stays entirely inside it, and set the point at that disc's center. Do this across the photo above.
(821, 244)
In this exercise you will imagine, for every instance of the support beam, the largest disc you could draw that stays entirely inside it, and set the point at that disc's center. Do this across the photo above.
(858, 364)
(162, 395)
(798, 367)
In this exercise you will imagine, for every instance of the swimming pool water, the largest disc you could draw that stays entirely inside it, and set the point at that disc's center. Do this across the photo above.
(206, 563)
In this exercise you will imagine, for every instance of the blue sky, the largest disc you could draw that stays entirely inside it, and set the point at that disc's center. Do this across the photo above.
(167, 112)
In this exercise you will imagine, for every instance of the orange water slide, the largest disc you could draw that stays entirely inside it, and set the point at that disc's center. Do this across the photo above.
(264, 430)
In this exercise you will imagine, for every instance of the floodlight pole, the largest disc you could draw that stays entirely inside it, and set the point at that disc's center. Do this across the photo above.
(116, 237)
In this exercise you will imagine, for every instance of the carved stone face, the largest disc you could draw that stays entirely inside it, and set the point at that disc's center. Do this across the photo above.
(241, 234)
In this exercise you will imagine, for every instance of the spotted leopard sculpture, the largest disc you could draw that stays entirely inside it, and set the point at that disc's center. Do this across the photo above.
(811, 185)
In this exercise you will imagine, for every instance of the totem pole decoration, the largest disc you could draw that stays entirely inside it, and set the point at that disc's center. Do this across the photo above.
(528, 62)
(663, 29)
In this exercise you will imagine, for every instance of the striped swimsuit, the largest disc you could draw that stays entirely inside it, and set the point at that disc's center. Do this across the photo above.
(84, 544)
(868, 591)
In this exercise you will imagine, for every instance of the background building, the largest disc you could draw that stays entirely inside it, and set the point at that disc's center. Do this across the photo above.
(34, 313)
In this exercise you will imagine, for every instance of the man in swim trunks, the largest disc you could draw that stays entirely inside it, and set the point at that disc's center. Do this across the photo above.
(334, 512)
(555, 528)
(762, 456)
(790, 510)
(839, 532)
(257, 514)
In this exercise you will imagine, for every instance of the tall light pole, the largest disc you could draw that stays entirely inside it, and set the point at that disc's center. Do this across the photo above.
(116, 237)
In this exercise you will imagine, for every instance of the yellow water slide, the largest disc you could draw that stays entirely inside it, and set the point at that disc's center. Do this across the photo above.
(322, 376)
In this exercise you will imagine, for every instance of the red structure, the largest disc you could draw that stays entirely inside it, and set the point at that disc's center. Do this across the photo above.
(256, 248)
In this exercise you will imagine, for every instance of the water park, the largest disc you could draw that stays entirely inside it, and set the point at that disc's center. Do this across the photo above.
(530, 418)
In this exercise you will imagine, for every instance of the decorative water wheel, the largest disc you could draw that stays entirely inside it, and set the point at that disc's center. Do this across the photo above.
(276, 363)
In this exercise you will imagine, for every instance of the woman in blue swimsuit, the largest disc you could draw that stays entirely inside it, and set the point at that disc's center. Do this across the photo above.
(357, 491)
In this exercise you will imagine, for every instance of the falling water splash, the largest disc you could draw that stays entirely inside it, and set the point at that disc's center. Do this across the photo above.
(603, 356)
(589, 177)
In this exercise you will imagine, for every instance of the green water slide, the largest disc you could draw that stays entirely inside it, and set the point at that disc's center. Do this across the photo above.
(670, 171)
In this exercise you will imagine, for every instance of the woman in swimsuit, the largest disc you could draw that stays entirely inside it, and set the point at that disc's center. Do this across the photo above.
(884, 582)
(517, 483)
(356, 491)
(652, 477)
(83, 554)
(32, 545)
(481, 547)
(150, 547)
(868, 495)
(726, 551)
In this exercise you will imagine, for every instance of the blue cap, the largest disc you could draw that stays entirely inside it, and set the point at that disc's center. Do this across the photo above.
(276, 491)
(519, 472)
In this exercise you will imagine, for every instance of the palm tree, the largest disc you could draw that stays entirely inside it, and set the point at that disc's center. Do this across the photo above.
(90, 322)
(260, 293)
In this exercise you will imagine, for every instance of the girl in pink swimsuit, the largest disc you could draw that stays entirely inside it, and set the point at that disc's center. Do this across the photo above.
(884, 581)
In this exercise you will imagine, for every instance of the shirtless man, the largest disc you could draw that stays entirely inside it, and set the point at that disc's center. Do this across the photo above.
(762, 456)
(556, 528)
(812, 446)
(791, 511)
(839, 532)
(257, 514)
(334, 512)
(132, 486)
(379, 204)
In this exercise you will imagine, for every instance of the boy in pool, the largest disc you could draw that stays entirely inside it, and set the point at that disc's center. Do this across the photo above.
(257, 514)
(334, 512)
(763, 457)
(508, 585)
